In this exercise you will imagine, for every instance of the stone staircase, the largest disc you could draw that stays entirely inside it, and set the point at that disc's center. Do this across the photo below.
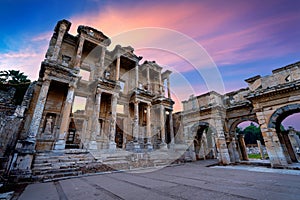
(60, 163)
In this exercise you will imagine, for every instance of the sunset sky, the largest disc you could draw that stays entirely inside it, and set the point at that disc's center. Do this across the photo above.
(236, 39)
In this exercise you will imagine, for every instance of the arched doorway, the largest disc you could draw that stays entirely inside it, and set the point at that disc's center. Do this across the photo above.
(204, 141)
(289, 139)
(250, 141)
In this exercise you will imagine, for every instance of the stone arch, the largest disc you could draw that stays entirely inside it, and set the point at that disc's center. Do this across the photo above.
(235, 123)
(275, 122)
(281, 113)
(207, 142)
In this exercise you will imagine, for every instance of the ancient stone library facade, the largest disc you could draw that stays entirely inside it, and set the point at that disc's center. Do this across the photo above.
(92, 108)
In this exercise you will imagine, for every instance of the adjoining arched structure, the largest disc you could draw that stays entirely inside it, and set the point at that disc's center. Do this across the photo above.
(267, 100)
(288, 142)
(204, 141)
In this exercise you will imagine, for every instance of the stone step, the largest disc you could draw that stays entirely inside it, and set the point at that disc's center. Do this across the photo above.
(53, 171)
(51, 176)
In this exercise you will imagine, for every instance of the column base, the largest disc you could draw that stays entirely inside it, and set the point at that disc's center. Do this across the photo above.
(163, 146)
(149, 146)
(112, 145)
(60, 145)
(92, 145)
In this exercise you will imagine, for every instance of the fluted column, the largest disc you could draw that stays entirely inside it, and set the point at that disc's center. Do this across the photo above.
(95, 124)
(118, 68)
(79, 53)
(136, 121)
(38, 111)
(65, 118)
(57, 47)
(114, 101)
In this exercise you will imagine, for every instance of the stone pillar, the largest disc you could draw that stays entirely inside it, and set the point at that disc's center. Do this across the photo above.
(38, 111)
(273, 145)
(260, 149)
(95, 124)
(149, 144)
(171, 128)
(65, 119)
(114, 101)
(57, 47)
(168, 85)
(160, 84)
(136, 121)
(148, 78)
(162, 126)
(79, 53)
(235, 150)
(136, 75)
(118, 68)
(243, 147)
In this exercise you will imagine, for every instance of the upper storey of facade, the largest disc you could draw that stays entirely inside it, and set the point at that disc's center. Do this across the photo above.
(85, 57)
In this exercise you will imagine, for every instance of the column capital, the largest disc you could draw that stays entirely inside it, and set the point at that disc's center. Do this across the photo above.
(99, 91)
(136, 101)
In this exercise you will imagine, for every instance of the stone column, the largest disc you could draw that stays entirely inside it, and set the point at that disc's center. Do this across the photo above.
(57, 47)
(168, 85)
(65, 119)
(114, 101)
(136, 121)
(136, 75)
(162, 126)
(149, 144)
(79, 53)
(95, 124)
(235, 150)
(118, 68)
(261, 151)
(243, 147)
(148, 78)
(38, 111)
(160, 84)
(171, 128)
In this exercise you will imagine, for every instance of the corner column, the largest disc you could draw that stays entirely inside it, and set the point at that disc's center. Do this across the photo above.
(148, 78)
(168, 85)
(118, 68)
(38, 111)
(65, 119)
(61, 33)
(95, 124)
(114, 101)
(136, 121)
(136, 75)
(160, 84)
(79, 53)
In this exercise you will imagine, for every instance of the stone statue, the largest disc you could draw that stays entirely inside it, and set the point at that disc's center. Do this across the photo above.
(48, 127)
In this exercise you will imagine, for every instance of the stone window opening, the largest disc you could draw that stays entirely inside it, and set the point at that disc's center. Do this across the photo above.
(79, 105)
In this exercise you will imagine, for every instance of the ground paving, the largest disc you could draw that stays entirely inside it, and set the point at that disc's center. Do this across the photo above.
(186, 181)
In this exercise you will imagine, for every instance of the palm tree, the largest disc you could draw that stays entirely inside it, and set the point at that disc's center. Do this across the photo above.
(13, 77)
